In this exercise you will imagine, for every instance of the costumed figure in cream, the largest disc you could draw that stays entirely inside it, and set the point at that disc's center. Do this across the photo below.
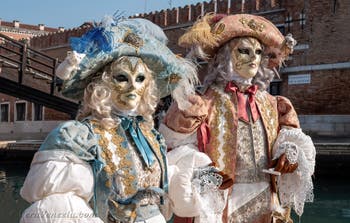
(109, 165)
(253, 138)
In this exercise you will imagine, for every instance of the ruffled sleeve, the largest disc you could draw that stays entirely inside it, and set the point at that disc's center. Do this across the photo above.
(189, 120)
(179, 129)
(60, 180)
(72, 136)
(295, 188)
(287, 116)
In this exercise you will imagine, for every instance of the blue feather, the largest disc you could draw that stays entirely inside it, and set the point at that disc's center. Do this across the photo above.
(96, 40)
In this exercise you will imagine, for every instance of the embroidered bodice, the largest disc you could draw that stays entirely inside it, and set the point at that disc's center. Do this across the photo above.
(135, 165)
(126, 174)
(251, 153)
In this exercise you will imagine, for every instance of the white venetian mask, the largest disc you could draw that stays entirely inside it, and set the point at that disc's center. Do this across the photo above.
(130, 78)
(246, 56)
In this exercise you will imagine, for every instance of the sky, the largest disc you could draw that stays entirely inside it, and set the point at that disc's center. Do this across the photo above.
(73, 13)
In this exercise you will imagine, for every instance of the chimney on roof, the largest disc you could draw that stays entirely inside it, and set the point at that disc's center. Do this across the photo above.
(16, 23)
(41, 27)
(60, 29)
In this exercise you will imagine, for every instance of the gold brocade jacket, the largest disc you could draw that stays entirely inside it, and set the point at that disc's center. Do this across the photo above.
(218, 109)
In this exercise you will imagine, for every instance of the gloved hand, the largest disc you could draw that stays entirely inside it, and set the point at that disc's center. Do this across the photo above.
(227, 181)
(283, 165)
(287, 161)
(185, 199)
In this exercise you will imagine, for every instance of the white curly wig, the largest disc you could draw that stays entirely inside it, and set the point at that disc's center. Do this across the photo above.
(221, 69)
(97, 101)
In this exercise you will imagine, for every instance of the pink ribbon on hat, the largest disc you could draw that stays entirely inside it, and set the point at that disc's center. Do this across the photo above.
(242, 101)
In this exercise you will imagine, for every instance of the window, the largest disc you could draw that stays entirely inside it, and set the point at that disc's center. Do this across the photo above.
(275, 88)
(334, 6)
(289, 22)
(20, 112)
(302, 19)
(282, 29)
(4, 112)
(37, 112)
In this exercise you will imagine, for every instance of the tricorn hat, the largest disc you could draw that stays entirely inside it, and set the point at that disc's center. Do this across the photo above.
(214, 30)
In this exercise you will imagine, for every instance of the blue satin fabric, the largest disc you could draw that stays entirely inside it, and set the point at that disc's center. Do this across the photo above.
(132, 126)
(80, 138)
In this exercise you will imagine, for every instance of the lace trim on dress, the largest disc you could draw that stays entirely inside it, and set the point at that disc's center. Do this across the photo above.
(296, 188)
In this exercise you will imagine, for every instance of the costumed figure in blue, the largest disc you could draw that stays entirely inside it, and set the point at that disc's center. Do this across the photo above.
(109, 165)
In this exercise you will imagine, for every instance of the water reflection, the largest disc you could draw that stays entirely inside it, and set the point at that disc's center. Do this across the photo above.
(332, 201)
(332, 197)
(11, 180)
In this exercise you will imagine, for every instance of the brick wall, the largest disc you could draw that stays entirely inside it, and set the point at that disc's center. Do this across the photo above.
(25, 31)
(57, 39)
(328, 40)
(56, 44)
(190, 13)
(320, 28)
(328, 93)
(329, 31)
(49, 114)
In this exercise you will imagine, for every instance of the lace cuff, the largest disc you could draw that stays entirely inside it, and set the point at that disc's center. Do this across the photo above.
(207, 177)
(291, 151)
(296, 188)
(212, 203)
(193, 187)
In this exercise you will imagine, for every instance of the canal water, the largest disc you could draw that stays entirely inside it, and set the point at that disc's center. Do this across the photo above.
(331, 205)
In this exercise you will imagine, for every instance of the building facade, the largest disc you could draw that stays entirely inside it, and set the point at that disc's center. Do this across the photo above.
(315, 78)
(20, 119)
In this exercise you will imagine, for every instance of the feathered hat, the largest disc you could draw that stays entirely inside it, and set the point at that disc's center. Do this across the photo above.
(212, 31)
(112, 39)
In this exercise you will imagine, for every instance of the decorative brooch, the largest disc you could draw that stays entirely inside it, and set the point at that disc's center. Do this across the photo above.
(252, 24)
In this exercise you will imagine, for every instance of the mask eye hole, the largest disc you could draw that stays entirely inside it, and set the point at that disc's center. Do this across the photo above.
(243, 51)
(121, 78)
(258, 51)
(272, 55)
(140, 78)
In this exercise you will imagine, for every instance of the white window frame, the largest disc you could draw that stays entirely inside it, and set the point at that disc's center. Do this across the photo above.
(302, 18)
(25, 113)
(8, 112)
(289, 21)
(33, 113)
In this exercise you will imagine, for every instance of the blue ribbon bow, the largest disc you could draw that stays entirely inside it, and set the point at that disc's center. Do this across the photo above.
(132, 126)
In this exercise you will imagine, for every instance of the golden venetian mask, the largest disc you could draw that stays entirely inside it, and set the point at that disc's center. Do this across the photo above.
(246, 56)
(130, 78)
